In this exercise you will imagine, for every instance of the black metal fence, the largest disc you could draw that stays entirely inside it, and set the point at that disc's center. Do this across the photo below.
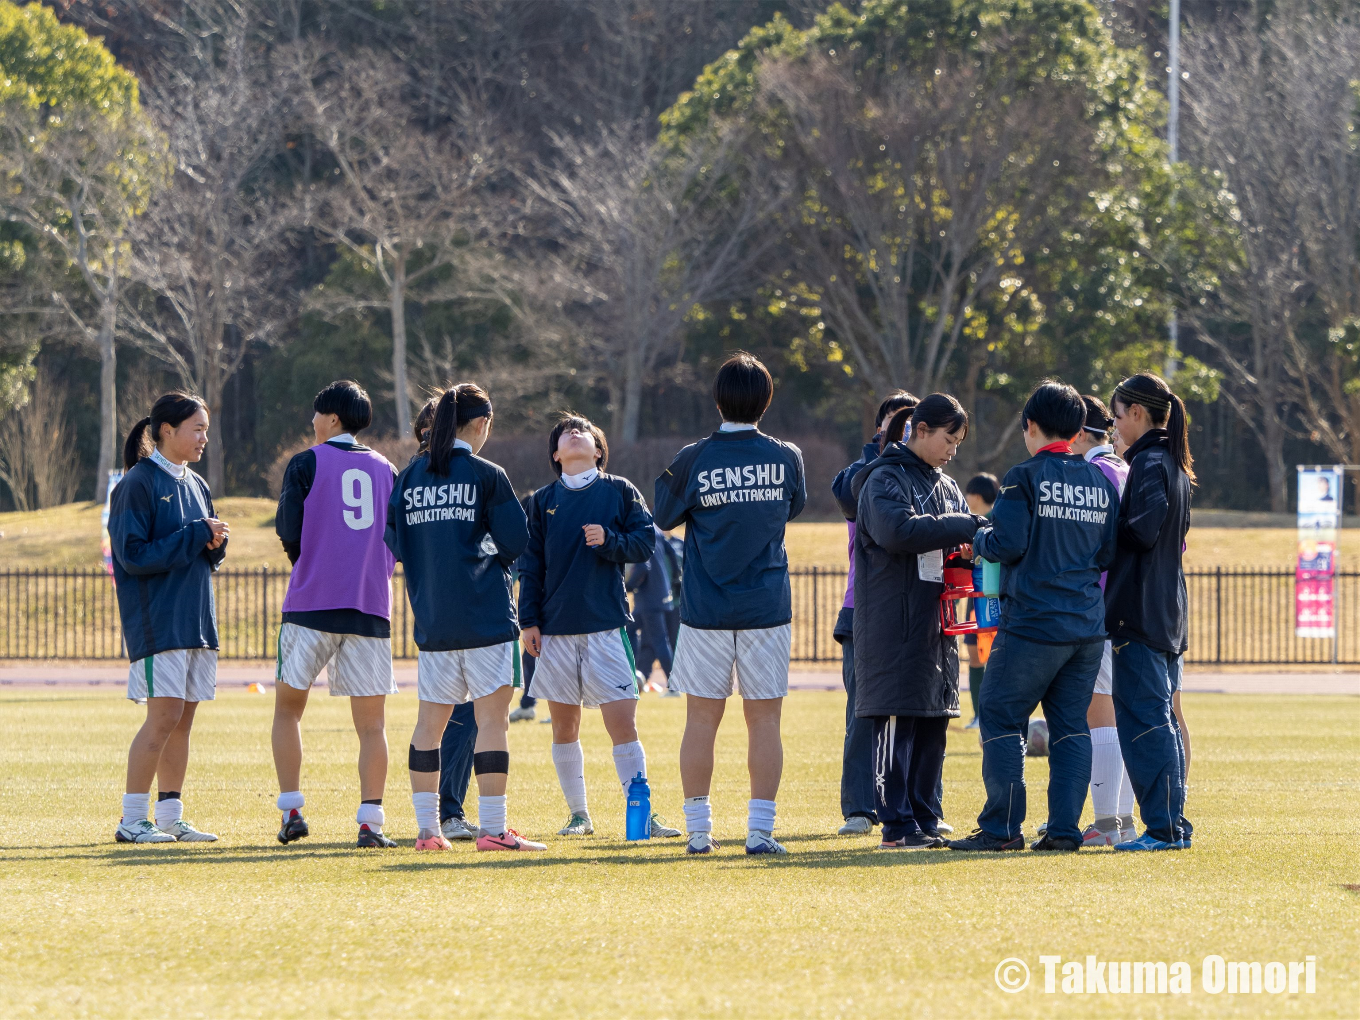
(1236, 616)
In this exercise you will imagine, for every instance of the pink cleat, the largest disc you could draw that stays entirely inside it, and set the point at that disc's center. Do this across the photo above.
(435, 842)
(508, 840)
(1095, 837)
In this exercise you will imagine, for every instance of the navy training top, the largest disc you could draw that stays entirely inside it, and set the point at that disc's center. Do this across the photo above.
(734, 492)
(566, 586)
(162, 568)
(457, 537)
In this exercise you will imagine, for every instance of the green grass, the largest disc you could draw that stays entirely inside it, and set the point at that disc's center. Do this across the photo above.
(596, 927)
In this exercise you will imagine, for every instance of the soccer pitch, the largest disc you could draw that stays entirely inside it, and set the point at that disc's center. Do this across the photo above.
(598, 927)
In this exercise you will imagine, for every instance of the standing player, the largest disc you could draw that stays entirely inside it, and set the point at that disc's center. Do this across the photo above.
(980, 492)
(455, 524)
(337, 612)
(734, 491)
(582, 529)
(166, 543)
(1111, 791)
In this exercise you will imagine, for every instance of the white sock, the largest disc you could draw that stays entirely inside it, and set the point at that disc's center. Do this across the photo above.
(760, 815)
(1125, 794)
(427, 811)
(1107, 766)
(370, 815)
(292, 801)
(570, 762)
(136, 806)
(629, 760)
(698, 814)
(168, 812)
(491, 814)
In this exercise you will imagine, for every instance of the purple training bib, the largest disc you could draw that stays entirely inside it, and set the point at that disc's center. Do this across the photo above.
(344, 563)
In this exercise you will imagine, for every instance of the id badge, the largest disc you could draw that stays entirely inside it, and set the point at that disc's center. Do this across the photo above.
(930, 566)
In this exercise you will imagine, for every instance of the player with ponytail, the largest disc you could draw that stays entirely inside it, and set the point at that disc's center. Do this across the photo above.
(1146, 604)
(166, 542)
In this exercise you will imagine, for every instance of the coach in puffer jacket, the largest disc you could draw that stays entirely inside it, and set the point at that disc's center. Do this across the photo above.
(906, 670)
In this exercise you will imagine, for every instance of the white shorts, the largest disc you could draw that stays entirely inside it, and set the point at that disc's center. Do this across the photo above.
(1105, 678)
(186, 673)
(586, 669)
(356, 666)
(707, 662)
(466, 674)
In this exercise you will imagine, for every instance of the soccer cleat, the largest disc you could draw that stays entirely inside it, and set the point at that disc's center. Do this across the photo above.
(661, 829)
(942, 826)
(186, 833)
(974, 724)
(980, 840)
(1101, 837)
(577, 825)
(143, 830)
(457, 828)
(369, 839)
(758, 842)
(856, 825)
(523, 714)
(668, 693)
(1047, 843)
(1182, 844)
(435, 842)
(1146, 842)
(1043, 827)
(507, 840)
(294, 827)
(701, 843)
(914, 841)
(652, 687)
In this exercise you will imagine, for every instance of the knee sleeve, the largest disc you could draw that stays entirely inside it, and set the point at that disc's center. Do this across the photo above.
(423, 761)
(491, 762)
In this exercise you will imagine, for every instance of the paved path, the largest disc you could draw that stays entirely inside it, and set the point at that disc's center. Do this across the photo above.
(39, 674)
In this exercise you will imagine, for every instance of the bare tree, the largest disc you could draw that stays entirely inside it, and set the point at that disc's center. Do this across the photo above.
(407, 202)
(204, 258)
(80, 189)
(647, 233)
(38, 458)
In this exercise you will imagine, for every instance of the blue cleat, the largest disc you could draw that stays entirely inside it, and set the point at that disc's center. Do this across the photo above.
(758, 842)
(1146, 842)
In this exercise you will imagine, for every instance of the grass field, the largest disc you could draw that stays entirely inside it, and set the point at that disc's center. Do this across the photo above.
(595, 927)
(68, 537)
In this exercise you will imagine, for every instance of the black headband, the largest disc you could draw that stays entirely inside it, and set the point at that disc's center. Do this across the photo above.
(1152, 401)
(481, 410)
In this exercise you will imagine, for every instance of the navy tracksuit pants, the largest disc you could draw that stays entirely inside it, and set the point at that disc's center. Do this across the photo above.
(1020, 676)
(654, 642)
(857, 756)
(908, 764)
(455, 761)
(1149, 738)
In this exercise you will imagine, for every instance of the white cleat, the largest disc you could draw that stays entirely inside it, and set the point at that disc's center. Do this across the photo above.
(458, 828)
(661, 829)
(758, 842)
(577, 825)
(185, 832)
(856, 825)
(701, 843)
(523, 714)
(143, 830)
(942, 826)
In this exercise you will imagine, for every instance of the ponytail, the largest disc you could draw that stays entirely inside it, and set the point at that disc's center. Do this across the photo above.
(895, 428)
(1165, 410)
(172, 409)
(458, 406)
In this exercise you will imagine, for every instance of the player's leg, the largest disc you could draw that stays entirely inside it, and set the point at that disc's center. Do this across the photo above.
(1149, 741)
(925, 769)
(702, 718)
(1111, 792)
(1066, 703)
(975, 671)
(762, 669)
(569, 761)
(370, 723)
(490, 675)
(423, 761)
(858, 797)
(302, 654)
(162, 716)
(455, 772)
(169, 811)
(1184, 733)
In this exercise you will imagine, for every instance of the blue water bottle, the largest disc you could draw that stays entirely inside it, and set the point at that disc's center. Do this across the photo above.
(638, 818)
(986, 610)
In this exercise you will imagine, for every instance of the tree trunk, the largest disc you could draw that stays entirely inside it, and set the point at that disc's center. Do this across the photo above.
(108, 395)
(1272, 445)
(216, 452)
(632, 394)
(398, 297)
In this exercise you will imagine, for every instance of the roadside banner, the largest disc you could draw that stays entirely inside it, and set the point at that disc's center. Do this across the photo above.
(1320, 498)
(105, 545)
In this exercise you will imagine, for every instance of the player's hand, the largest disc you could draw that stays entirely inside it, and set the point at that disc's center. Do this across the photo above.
(533, 642)
(966, 551)
(594, 534)
(220, 531)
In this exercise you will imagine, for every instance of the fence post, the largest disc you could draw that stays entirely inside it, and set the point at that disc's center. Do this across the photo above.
(816, 619)
(1218, 614)
(264, 611)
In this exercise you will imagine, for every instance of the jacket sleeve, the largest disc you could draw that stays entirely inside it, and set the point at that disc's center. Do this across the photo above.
(671, 503)
(1007, 538)
(1148, 505)
(799, 499)
(393, 513)
(635, 540)
(840, 491)
(297, 483)
(532, 564)
(506, 521)
(215, 556)
(887, 516)
(130, 534)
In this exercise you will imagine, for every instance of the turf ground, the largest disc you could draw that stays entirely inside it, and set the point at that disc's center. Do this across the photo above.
(596, 927)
